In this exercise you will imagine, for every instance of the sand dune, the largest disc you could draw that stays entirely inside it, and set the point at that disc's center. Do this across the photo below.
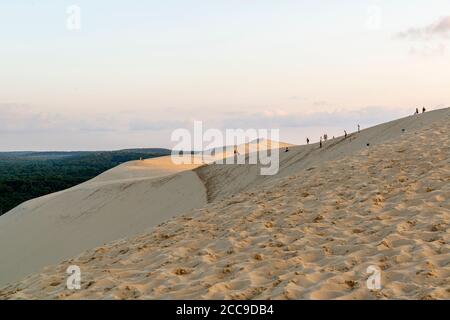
(224, 181)
(121, 202)
(308, 233)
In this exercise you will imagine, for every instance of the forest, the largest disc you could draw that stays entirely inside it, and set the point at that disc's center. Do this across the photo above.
(27, 175)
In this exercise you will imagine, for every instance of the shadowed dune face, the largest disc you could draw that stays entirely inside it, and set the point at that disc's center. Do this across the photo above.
(309, 233)
(121, 202)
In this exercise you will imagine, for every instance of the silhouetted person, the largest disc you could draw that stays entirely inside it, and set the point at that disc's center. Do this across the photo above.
(423, 110)
(320, 143)
(359, 128)
(307, 140)
(345, 134)
(417, 111)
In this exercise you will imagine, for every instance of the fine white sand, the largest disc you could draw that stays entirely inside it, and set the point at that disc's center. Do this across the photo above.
(309, 232)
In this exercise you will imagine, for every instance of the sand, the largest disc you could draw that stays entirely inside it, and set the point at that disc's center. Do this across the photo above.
(225, 181)
(310, 232)
(121, 202)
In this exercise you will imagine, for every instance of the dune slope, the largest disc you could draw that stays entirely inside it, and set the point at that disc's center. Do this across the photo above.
(310, 234)
(224, 181)
(121, 202)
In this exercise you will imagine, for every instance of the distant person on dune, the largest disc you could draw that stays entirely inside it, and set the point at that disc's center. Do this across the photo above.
(424, 110)
(417, 111)
(307, 140)
(320, 143)
(359, 128)
(345, 134)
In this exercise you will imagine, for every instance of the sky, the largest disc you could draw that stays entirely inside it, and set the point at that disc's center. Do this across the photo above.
(102, 75)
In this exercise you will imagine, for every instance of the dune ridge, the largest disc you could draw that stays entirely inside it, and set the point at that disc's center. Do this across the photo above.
(309, 233)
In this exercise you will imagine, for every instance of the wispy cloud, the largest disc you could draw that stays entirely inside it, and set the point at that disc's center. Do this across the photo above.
(29, 129)
(16, 118)
(426, 50)
(19, 118)
(152, 125)
(439, 29)
(337, 118)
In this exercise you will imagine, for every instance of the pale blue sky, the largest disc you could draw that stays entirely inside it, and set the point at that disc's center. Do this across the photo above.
(138, 69)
